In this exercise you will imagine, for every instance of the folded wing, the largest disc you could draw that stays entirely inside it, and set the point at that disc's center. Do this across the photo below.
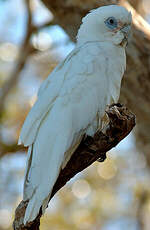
(67, 105)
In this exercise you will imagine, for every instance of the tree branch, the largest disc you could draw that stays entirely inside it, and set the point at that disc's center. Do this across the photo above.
(9, 149)
(121, 122)
(42, 26)
(25, 50)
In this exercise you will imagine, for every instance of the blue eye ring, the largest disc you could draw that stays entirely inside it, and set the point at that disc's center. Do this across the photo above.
(111, 23)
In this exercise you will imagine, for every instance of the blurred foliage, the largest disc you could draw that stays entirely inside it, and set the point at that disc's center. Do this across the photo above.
(110, 195)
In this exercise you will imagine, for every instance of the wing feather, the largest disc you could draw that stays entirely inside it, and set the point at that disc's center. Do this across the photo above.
(64, 110)
(47, 95)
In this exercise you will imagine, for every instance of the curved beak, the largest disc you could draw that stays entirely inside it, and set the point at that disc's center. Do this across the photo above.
(126, 31)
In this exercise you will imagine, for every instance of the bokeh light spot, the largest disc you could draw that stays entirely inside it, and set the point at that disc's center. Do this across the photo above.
(81, 189)
(8, 52)
(107, 170)
(82, 219)
(42, 41)
(5, 218)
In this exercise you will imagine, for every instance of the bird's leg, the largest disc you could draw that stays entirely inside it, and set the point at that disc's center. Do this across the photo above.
(116, 104)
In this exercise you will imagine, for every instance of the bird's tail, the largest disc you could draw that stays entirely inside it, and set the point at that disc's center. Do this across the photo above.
(44, 163)
(54, 138)
(40, 194)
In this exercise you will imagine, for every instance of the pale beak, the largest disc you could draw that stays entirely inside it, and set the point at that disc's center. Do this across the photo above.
(126, 31)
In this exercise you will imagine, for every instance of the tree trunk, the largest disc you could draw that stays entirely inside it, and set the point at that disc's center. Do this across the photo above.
(135, 92)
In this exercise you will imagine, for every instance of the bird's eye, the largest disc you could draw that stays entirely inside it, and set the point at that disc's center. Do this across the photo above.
(111, 23)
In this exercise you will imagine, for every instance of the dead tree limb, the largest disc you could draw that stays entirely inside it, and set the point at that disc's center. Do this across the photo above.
(121, 122)
(25, 51)
(23, 54)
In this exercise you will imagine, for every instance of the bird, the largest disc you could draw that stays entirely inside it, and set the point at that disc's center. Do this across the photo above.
(71, 102)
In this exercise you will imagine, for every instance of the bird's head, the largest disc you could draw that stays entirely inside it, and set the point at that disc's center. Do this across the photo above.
(108, 23)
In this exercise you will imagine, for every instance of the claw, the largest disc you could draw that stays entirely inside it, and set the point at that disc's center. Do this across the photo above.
(102, 158)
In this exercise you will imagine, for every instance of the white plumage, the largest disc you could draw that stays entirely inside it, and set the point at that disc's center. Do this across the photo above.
(72, 101)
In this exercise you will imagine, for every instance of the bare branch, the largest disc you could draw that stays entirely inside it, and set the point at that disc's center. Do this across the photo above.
(9, 149)
(25, 50)
(91, 149)
(42, 26)
(137, 19)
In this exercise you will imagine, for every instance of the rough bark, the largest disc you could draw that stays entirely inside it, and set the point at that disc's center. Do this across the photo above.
(136, 84)
(121, 122)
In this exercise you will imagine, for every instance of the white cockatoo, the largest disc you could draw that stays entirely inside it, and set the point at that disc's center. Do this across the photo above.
(72, 101)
